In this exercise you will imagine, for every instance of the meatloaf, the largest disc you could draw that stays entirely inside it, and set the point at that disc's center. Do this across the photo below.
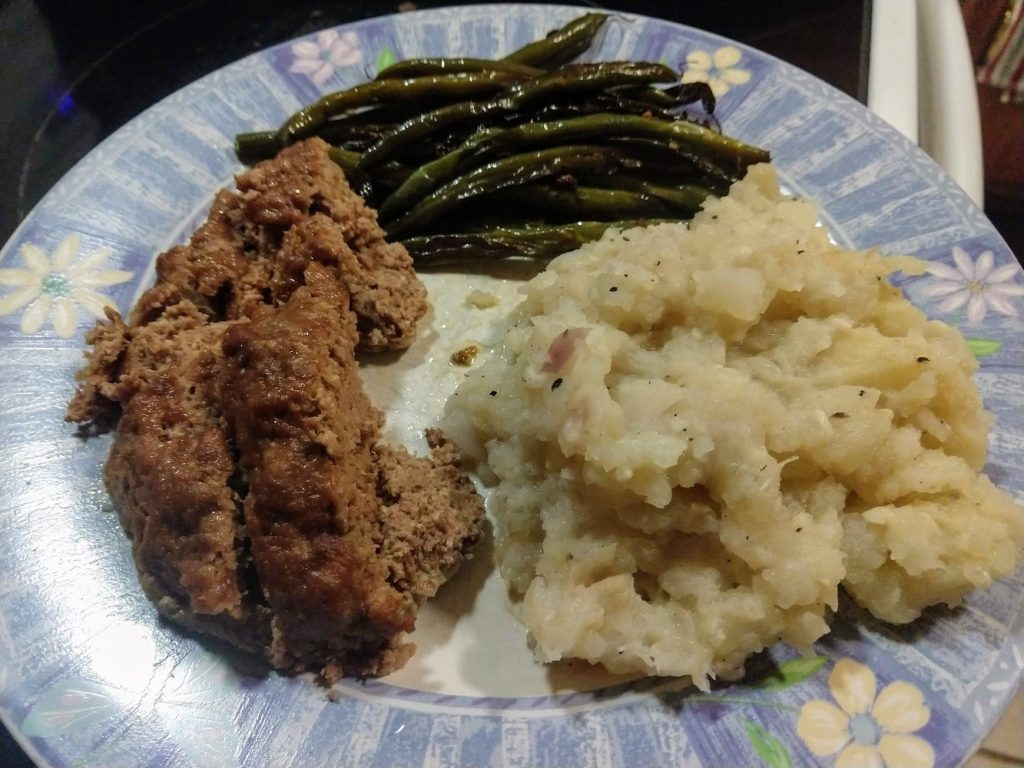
(247, 464)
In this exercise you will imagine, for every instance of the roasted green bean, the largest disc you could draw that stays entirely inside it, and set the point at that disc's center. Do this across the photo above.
(660, 158)
(582, 79)
(684, 198)
(687, 139)
(443, 146)
(258, 145)
(505, 172)
(422, 128)
(387, 177)
(562, 45)
(420, 90)
(441, 66)
(534, 242)
(554, 203)
(568, 81)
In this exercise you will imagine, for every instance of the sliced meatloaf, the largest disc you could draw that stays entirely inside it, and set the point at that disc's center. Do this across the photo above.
(305, 431)
(246, 463)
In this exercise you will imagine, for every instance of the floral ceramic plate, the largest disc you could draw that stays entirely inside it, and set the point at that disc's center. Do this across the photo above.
(90, 676)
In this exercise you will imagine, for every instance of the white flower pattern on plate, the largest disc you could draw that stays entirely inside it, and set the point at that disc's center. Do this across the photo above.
(53, 287)
(717, 69)
(974, 284)
(865, 731)
(319, 57)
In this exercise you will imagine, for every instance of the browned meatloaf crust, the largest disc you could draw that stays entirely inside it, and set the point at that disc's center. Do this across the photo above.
(246, 464)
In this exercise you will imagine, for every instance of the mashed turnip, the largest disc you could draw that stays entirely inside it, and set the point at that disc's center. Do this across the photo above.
(699, 432)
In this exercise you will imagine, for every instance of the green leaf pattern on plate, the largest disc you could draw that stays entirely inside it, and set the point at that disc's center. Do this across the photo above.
(385, 59)
(791, 672)
(984, 347)
(771, 751)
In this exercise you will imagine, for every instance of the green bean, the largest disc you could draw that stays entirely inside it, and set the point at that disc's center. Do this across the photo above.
(505, 172)
(352, 136)
(580, 79)
(358, 128)
(258, 145)
(430, 176)
(392, 175)
(534, 242)
(361, 129)
(689, 93)
(348, 161)
(680, 133)
(561, 45)
(608, 197)
(489, 143)
(613, 103)
(420, 129)
(528, 138)
(567, 81)
(440, 66)
(682, 198)
(655, 97)
(660, 158)
(420, 90)
(622, 102)
(388, 176)
(573, 203)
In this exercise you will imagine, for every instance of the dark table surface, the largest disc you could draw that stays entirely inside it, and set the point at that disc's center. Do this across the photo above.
(71, 73)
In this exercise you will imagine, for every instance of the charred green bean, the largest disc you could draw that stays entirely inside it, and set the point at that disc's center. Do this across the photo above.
(535, 242)
(682, 138)
(680, 197)
(577, 80)
(553, 203)
(505, 172)
(258, 145)
(421, 90)
(561, 45)
(445, 146)
(582, 79)
(441, 66)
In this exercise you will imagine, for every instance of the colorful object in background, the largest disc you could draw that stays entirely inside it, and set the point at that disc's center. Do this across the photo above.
(1004, 62)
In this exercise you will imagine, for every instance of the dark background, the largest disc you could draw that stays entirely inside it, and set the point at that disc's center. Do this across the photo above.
(73, 72)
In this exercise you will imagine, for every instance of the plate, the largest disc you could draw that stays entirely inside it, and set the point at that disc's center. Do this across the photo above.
(90, 676)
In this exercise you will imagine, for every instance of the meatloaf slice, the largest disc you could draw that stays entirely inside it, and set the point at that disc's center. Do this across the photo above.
(204, 270)
(334, 560)
(171, 472)
(252, 250)
(246, 465)
(430, 514)
(302, 181)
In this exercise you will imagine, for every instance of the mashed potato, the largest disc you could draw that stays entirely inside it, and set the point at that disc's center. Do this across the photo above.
(698, 433)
